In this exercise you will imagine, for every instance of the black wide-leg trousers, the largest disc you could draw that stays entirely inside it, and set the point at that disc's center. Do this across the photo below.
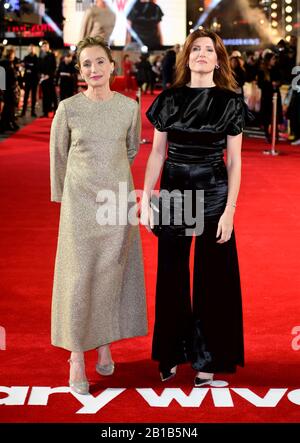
(207, 329)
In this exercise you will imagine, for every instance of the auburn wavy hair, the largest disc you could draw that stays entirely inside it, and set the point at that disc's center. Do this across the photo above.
(223, 77)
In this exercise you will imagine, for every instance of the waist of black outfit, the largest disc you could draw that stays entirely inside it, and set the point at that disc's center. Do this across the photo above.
(194, 154)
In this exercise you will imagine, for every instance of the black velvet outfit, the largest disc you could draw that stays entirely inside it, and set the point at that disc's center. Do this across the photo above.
(207, 330)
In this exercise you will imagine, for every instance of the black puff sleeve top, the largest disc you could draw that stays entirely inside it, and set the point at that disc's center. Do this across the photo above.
(198, 120)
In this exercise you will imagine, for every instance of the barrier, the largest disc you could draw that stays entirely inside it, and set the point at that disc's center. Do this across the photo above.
(143, 141)
(272, 151)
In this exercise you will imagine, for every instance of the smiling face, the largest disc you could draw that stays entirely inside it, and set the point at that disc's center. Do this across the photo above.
(95, 66)
(203, 57)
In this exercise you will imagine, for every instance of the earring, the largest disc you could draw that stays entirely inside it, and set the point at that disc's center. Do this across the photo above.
(217, 67)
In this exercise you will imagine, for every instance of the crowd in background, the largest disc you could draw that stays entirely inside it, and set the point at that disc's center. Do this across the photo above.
(259, 74)
(38, 76)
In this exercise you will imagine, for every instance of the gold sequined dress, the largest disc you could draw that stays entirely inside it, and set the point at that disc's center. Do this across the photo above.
(98, 290)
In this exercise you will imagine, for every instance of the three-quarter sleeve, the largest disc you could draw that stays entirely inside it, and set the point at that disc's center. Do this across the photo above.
(240, 116)
(59, 148)
(134, 134)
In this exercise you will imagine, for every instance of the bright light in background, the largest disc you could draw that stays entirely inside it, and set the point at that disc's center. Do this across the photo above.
(241, 41)
(15, 4)
(73, 48)
(288, 18)
(53, 25)
(206, 13)
(253, 16)
(5, 41)
(6, 5)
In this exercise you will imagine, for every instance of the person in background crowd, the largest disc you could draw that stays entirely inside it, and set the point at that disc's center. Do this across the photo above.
(269, 81)
(238, 72)
(47, 69)
(293, 114)
(168, 66)
(127, 72)
(31, 79)
(156, 68)
(98, 21)
(293, 49)
(1, 92)
(144, 74)
(66, 76)
(251, 68)
(284, 61)
(10, 94)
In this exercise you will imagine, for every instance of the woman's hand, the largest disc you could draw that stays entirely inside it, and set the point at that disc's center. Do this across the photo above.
(146, 218)
(225, 225)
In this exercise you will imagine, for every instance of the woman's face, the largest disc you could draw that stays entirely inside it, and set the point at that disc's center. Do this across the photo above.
(233, 63)
(12, 56)
(273, 61)
(95, 66)
(203, 57)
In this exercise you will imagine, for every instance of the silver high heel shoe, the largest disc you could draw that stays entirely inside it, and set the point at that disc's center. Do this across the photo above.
(105, 369)
(80, 387)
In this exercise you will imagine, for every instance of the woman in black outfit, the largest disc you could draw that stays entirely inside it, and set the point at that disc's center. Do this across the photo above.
(10, 94)
(198, 117)
(144, 18)
(269, 82)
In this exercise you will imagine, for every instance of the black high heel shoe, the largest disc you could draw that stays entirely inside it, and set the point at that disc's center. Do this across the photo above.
(198, 381)
(167, 373)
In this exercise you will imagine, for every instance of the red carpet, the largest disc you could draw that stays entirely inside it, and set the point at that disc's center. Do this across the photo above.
(268, 236)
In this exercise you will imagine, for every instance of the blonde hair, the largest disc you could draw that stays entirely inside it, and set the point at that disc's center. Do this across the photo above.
(223, 77)
(89, 42)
